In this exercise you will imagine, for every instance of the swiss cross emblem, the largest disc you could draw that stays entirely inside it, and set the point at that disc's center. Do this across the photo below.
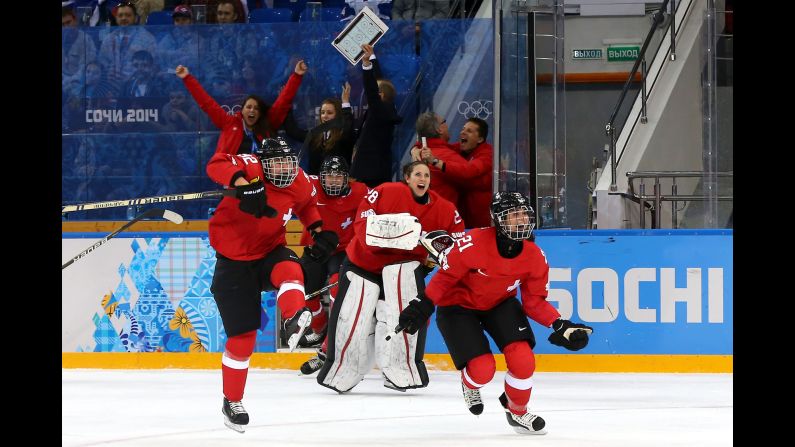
(347, 222)
(286, 216)
(514, 286)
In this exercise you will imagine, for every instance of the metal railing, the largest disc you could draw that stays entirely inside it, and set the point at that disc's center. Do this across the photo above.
(657, 196)
(610, 129)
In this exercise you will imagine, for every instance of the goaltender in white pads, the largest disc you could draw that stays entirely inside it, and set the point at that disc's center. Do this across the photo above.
(361, 340)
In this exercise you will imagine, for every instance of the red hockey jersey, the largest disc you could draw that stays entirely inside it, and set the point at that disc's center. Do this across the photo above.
(475, 276)
(243, 237)
(338, 213)
(396, 197)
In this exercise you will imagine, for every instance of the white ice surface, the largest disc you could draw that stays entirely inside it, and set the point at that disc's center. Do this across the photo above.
(183, 408)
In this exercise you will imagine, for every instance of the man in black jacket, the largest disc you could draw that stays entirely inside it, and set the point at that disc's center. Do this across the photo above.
(372, 154)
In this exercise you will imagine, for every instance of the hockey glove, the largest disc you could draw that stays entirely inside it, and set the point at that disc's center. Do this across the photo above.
(437, 242)
(572, 336)
(253, 200)
(325, 243)
(415, 314)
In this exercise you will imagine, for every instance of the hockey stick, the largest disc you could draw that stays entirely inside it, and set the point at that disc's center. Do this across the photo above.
(319, 291)
(166, 214)
(148, 200)
(436, 242)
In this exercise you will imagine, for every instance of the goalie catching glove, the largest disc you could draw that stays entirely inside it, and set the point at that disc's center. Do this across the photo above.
(437, 242)
(325, 243)
(415, 315)
(572, 336)
(253, 200)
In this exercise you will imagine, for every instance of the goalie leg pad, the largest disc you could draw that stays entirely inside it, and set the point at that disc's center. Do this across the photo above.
(400, 358)
(351, 346)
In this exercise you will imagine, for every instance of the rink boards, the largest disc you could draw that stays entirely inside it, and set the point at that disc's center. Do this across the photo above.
(658, 300)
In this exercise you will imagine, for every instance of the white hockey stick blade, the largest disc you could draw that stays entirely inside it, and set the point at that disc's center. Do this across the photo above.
(172, 217)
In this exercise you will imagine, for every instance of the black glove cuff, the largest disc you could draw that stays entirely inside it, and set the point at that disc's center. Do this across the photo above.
(314, 225)
(237, 175)
(426, 303)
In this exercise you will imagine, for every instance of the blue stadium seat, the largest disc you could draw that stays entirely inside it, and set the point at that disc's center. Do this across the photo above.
(334, 3)
(326, 15)
(296, 6)
(266, 15)
(159, 18)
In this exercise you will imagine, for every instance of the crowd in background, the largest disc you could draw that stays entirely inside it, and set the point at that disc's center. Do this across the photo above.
(112, 64)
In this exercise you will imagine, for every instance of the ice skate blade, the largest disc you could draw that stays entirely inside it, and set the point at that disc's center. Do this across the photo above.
(236, 427)
(392, 386)
(303, 323)
(524, 431)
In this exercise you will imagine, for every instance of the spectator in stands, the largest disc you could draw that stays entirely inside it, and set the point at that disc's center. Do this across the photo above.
(77, 50)
(143, 82)
(476, 177)
(220, 86)
(371, 161)
(144, 7)
(334, 135)
(179, 114)
(144, 93)
(96, 85)
(119, 45)
(466, 167)
(420, 9)
(240, 11)
(243, 132)
(434, 129)
(220, 53)
(181, 45)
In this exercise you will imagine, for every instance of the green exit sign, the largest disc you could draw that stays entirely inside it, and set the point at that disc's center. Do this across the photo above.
(595, 53)
(622, 54)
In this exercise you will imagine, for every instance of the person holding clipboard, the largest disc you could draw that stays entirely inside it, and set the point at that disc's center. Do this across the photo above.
(372, 154)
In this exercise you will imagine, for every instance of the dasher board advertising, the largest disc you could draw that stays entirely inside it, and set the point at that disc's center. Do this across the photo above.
(365, 28)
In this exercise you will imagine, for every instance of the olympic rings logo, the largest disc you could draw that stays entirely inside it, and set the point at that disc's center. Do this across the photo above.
(479, 108)
(230, 110)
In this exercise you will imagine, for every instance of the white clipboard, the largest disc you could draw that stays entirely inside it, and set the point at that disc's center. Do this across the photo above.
(365, 28)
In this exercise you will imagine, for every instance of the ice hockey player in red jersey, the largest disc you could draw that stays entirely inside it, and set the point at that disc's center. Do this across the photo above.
(385, 269)
(248, 234)
(475, 291)
(337, 201)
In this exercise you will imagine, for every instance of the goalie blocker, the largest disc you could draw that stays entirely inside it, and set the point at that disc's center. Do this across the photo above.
(366, 309)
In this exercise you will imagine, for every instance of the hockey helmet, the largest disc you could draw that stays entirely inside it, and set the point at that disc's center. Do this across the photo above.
(335, 166)
(279, 161)
(512, 215)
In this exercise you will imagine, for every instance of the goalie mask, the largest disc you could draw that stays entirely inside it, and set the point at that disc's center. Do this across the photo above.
(279, 162)
(512, 215)
(334, 176)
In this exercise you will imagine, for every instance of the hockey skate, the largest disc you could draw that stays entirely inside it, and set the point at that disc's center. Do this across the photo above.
(472, 399)
(526, 424)
(293, 328)
(235, 416)
(314, 364)
(312, 339)
(388, 383)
